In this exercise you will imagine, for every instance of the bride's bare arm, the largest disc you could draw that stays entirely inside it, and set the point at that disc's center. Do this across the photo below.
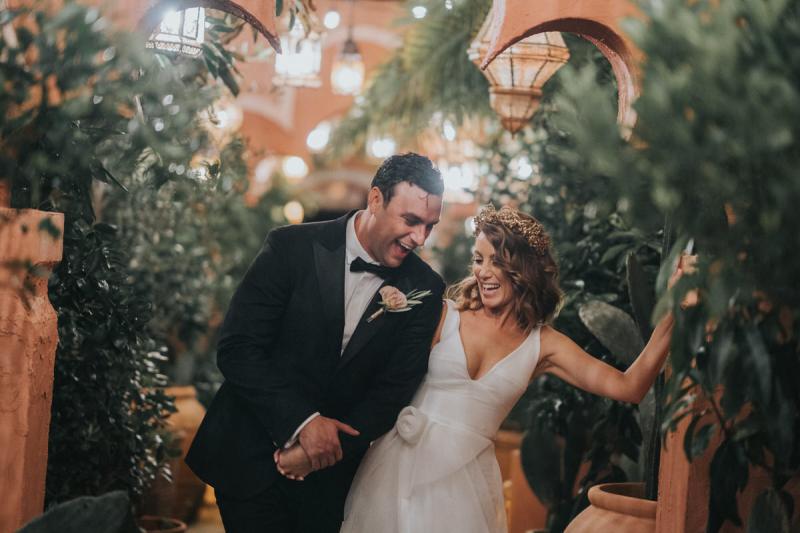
(566, 360)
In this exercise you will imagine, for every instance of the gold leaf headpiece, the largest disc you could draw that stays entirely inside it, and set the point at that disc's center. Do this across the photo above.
(531, 229)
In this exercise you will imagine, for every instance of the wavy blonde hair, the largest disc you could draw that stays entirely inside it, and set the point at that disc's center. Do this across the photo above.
(533, 273)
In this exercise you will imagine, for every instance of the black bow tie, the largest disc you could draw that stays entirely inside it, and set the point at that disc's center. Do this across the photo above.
(359, 265)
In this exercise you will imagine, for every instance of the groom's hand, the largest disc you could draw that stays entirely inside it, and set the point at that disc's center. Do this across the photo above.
(320, 440)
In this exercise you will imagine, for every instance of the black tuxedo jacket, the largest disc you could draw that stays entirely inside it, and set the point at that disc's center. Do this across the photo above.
(279, 351)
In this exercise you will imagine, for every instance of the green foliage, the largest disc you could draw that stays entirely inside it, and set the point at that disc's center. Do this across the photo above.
(567, 428)
(641, 295)
(429, 74)
(191, 249)
(220, 62)
(453, 260)
(110, 513)
(86, 107)
(715, 149)
(106, 430)
(614, 328)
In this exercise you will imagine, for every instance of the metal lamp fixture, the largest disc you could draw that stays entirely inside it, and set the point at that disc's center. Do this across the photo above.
(180, 32)
(299, 64)
(347, 74)
(517, 75)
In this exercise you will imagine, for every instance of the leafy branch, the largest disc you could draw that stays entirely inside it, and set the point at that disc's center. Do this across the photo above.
(429, 74)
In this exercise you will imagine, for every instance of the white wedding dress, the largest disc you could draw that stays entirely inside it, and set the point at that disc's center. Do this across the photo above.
(435, 471)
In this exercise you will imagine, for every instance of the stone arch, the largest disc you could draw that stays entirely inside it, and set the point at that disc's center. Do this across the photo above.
(596, 21)
(258, 13)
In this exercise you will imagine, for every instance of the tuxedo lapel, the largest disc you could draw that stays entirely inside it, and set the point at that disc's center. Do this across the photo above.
(329, 260)
(366, 330)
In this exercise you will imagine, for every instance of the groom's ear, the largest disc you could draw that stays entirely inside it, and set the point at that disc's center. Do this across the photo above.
(374, 200)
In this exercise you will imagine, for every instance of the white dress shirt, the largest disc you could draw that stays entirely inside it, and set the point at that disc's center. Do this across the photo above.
(359, 288)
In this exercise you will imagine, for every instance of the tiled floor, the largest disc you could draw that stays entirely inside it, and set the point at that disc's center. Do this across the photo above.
(208, 521)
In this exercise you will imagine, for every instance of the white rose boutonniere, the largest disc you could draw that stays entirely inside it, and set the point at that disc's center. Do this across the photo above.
(394, 301)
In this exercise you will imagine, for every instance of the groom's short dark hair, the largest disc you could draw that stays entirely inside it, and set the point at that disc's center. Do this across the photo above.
(414, 168)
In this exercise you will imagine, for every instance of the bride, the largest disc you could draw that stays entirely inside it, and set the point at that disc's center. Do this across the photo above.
(436, 471)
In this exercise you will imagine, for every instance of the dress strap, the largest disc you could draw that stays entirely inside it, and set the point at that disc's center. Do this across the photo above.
(535, 338)
(451, 320)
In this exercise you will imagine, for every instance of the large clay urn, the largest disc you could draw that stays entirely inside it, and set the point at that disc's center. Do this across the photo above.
(28, 339)
(617, 507)
(182, 498)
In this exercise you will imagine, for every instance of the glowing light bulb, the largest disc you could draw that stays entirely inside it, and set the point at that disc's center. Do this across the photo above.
(419, 12)
(264, 170)
(294, 212)
(318, 138)
(294, 167)
(448, 130)
(382, 147)
(332, 19)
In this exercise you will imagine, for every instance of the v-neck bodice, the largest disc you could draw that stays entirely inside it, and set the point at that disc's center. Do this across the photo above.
(451, 395)
(500, 361)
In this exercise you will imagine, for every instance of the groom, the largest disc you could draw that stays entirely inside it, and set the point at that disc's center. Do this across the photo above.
(303, 364)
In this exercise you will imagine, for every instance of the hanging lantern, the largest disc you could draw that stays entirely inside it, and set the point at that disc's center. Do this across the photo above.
(180, 32)
(299, 64)
(517, 75)
(347, 74)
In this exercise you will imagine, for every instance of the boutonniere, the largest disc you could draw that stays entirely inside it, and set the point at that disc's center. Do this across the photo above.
(394, 301)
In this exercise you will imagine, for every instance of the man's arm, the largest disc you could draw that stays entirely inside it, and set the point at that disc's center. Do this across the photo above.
(245, 355)
(394, 387)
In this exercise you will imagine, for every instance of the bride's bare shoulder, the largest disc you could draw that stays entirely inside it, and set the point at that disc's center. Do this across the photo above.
(549, 341)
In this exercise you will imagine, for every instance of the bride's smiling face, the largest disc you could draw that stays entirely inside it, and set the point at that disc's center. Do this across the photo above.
(494, 286)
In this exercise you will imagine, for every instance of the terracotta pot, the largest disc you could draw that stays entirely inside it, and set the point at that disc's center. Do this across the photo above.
(183, 497)
(617, 507)
(159, 524)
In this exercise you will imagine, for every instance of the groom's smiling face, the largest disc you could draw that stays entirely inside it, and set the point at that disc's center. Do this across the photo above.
(401, 224)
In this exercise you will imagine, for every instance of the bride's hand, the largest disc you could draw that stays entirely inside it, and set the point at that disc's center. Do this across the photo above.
(686, 265)
(293, 463)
